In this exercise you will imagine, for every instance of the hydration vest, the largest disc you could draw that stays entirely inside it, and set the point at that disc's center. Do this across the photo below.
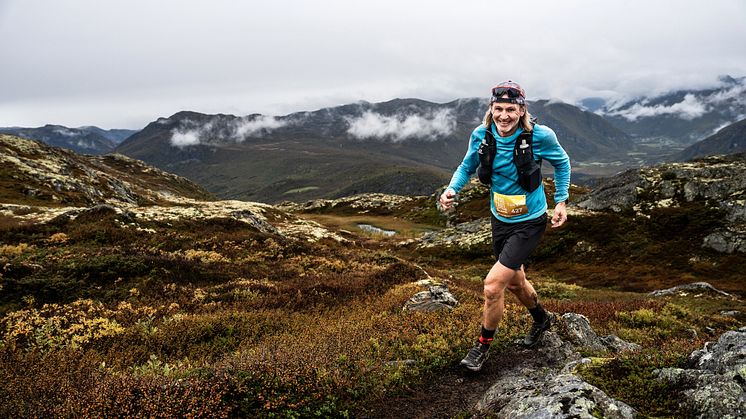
(529, 170)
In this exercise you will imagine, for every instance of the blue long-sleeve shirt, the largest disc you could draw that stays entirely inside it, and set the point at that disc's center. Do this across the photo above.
(505, 174)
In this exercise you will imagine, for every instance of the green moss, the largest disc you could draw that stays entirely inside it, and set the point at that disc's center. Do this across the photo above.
(629, 378)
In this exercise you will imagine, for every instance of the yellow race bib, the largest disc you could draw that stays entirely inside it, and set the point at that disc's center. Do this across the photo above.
(510, 205)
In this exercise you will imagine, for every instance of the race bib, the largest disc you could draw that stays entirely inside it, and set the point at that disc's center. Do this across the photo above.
(510, 205)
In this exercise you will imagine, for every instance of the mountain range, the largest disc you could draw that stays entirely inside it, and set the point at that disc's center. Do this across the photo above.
(681, 117)
(407, 146)
(87, 140)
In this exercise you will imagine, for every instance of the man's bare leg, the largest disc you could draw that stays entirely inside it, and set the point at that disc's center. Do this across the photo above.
(498, 278)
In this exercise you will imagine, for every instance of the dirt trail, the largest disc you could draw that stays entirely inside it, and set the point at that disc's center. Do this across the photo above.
(454, 392)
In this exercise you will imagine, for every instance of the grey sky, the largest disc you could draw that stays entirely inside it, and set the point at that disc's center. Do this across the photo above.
(122, 64)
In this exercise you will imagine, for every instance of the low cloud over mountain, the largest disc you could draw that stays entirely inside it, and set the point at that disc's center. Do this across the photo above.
(689, 108)
(399, 127)
(190, 133)
(683, 116)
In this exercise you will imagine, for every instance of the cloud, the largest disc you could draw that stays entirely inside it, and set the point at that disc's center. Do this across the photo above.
(245, 128)
(190, 133)
(399, 128)
(185, 138)
(64, 131)
(688, 109)
(736, 93)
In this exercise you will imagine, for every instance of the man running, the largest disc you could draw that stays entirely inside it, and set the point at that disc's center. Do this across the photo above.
(517, 203)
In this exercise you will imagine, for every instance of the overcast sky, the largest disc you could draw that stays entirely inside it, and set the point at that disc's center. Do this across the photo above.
(122, 64)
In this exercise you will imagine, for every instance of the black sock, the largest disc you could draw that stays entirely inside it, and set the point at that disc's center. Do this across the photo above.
(485, 338)
(538, 313)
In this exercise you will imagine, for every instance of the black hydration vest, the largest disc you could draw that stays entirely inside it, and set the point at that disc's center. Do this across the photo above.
(529, 170)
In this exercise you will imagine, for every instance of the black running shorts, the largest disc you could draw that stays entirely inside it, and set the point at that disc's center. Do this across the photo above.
(513, 242)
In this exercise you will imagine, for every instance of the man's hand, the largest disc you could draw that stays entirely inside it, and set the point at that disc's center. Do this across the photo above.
(447, 198)
(560, 215)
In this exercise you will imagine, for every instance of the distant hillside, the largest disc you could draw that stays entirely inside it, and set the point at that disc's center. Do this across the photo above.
(729, 140)
(86, 140)
(115, 135)
(34, 173)
(403, 146)
(585, 135)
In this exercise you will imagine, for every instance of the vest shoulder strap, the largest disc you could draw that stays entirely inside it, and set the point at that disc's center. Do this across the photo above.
(524, 142)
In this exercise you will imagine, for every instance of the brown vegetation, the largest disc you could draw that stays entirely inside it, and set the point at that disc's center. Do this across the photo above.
(109, 316)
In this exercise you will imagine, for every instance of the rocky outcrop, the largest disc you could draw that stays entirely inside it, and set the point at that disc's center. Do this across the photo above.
(558, 396)
(718, 180)
(370, 203)
(578, 331)
(617, 194)
(262, 217)
(35, 173)
(700, 287)
(715, 384)
(715, 183)
(540, 384)
(728, 240)
(464, 235)
(49, 183)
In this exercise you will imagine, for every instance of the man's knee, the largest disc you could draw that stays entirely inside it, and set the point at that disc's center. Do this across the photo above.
(494, 292)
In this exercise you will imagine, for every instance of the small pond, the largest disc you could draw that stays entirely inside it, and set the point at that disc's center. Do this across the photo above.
(373, 229)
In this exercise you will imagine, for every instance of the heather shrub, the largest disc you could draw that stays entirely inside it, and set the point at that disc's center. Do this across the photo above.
(109, 316)
(58, 326)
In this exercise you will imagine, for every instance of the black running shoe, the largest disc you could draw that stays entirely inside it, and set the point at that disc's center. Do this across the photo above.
(538, 329)
(474, 359)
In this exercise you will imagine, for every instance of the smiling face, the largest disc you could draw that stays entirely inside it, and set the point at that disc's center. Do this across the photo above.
(506, 117)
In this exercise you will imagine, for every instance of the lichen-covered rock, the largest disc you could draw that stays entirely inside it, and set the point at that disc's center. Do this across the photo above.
(726, 241)
(363, 203)
(53, 176)
(714, 183)
(464, 235)
(577, 329)
(560, 396)
(727, 354)
(702, 287)
(618, 193)
(437, 297)
(540, 383)
(715, 385)
(257, 215)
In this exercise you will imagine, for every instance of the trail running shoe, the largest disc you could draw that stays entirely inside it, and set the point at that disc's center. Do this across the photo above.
(474, 359)
(538, 329)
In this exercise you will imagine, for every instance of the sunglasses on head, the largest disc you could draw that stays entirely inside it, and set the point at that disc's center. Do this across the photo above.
(514, 95)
